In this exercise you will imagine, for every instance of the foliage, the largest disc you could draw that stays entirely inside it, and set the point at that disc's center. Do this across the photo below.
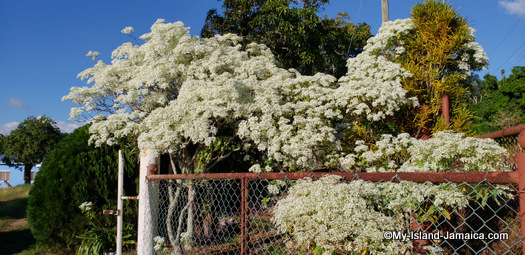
(30, 142)
(75, 172)
(295, 34)
(1, 143)
(499, 104)
(332, 215)
(438, 48)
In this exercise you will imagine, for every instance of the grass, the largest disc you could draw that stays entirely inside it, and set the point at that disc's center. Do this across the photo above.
(20, 191)
(15, 235)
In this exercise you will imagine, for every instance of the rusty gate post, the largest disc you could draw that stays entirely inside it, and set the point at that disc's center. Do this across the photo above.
(445, 109)
(244, 215)
(520, 158)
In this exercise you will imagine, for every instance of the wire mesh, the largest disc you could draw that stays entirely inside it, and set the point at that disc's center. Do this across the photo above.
(511, 144)
(204, 216)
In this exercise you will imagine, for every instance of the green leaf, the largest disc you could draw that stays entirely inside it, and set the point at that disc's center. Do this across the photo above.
(446, 214)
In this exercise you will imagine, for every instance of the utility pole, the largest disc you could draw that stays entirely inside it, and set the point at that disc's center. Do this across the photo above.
(384, 10)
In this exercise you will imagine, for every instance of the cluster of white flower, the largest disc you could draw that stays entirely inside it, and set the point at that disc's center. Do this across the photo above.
(372, 88)
(86, 206)
(185, 237)
(127, 30)
(275, 187)
(449, 151)
(256, 168)
(386, 41)
(93, 55)
(479, 55)
(389, 42)
(160, 245)
(352, 216)
(388, 154)
(446, 151)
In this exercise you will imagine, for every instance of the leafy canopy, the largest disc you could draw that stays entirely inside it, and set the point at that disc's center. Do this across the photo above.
(499, 104)
(31, 140)
(73, 173)
(295, 34)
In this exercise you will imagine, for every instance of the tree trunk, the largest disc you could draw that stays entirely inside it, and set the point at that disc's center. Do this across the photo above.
(174, 199)
(191, 214)
(27, 173)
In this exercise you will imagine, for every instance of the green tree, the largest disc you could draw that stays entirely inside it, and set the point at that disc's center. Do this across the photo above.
(1, 143)
(75, 172)
(500, 103)
(298, 37)
(29, 143)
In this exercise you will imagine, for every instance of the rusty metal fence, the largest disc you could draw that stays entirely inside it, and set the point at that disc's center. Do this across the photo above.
(232, 213)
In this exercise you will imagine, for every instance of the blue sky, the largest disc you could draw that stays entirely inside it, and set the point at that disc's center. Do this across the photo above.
(43, 44)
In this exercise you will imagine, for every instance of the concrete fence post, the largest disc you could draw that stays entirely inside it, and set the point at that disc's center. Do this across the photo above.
(148, 203)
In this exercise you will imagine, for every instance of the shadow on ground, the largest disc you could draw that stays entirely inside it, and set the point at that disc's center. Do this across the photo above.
(13, 242)
(13, 209)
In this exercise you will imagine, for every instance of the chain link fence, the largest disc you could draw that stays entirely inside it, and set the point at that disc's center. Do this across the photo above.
(511, 144)
(205, 216)
(237, 213)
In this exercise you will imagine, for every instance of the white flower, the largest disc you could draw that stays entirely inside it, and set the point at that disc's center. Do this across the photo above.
(127, 30)
(185, 237)
(255, 168)
(93, 55)
(352, 216)
(273, 189)
(86, 206)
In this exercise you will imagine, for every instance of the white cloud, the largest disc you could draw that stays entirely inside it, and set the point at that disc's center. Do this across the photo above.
(15, 103)
(69, 127)
(8, 127)
(514, 7)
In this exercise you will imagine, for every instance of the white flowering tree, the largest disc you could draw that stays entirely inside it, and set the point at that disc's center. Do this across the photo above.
(182, 95)
(201, 100)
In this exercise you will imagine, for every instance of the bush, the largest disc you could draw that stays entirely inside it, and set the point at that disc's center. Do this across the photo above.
(73, 173)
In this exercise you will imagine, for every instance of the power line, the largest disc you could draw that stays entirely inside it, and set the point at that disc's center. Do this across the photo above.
(504, 64)
(506, 36)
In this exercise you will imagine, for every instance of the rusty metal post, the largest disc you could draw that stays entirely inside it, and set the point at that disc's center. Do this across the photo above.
(244, 216)
(520, 158)
(445, 109)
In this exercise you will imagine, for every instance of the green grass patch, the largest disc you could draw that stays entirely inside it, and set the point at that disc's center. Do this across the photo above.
(20, 191)
(15, 235)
